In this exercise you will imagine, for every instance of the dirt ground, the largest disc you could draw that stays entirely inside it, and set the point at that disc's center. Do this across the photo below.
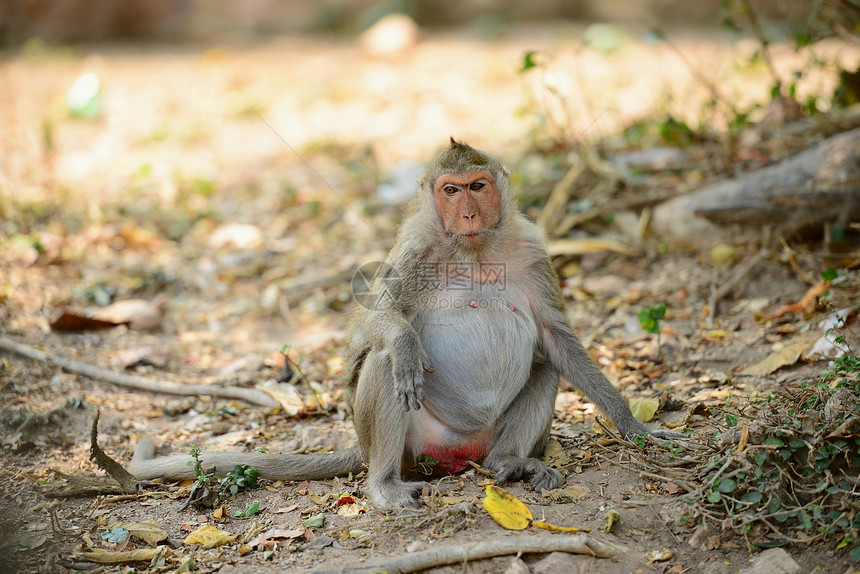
(239, 184)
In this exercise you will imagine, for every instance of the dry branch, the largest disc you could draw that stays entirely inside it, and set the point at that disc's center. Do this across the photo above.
(252, 396)
(574, 544)
(814, 187)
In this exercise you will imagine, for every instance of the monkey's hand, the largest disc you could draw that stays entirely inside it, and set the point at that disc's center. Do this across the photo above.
(408, 363)
(631, 428)
(668, 435)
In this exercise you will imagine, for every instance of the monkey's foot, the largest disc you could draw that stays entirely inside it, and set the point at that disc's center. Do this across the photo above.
(395, 494)
(509, 468)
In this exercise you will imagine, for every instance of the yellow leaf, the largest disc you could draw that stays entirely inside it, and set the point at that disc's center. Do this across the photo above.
(506, 509)
(317, 499)
(644, 409)
(103, 557)
(554, 528)
(510, 513)
(147, 531)
(575, 492)
(609, 520)
(554, 455)
(722, 254)
(209, 536)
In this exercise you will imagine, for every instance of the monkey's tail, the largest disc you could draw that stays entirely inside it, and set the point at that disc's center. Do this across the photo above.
(271, 466)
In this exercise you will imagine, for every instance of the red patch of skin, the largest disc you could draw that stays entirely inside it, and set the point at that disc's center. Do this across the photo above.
(454, 460)
(468, 205)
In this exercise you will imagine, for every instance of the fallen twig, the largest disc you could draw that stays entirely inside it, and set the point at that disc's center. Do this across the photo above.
(252, 396)
(574, 544)
(126, 480)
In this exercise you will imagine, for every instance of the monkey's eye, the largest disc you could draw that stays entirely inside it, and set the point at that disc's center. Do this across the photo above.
(450, 189)
(477, 185)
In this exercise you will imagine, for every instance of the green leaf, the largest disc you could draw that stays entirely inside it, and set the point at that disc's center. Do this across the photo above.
(252, 509)
(714, 496)
(752, 497)
(315, 521)
(773, 441)
(528, 61)
(727, 485)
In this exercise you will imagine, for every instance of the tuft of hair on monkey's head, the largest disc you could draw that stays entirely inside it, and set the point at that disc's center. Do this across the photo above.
(460, 157)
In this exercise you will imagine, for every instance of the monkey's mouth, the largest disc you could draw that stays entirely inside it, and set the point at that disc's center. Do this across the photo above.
(470, 235)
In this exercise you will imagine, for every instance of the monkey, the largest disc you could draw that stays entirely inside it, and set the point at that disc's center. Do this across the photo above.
(458, 355)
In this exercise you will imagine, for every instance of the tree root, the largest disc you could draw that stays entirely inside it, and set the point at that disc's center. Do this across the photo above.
(574, 544)
(253, 396)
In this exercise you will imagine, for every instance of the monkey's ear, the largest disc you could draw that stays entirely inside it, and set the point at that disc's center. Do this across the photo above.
(453, 142)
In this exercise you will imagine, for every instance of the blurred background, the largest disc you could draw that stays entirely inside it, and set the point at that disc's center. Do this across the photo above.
(188, 186)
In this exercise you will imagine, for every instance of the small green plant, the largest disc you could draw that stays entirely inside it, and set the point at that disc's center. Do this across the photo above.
(208, 488)
(250, 510)
(241, 478)
(202, 478)
(649, 319)
(424, 465)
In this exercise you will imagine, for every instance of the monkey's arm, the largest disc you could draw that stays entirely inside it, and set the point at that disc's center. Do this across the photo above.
(385, 326)
(564, 351)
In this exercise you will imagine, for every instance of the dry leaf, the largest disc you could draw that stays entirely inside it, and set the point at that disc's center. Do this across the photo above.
(658, 555)
(286, 394)
(509, 512)
(644, 409)
(350, 510)
(147, 531)
(506, 509)
(138, 314)
(286, 509)
(77, 320)
(276, 534)
(321, 500)
(807, 303)
(786, 356)
(745, 437)
(209, 536)
(244, 549)
(102, 557)
(554, 455)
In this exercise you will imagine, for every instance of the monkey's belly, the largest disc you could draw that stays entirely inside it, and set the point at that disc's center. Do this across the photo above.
(482, 358)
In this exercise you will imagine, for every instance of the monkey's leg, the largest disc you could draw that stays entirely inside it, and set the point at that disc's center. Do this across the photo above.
(382, 424)
(523, 433)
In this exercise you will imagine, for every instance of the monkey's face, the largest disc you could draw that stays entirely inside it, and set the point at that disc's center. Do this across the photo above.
(468, 204)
